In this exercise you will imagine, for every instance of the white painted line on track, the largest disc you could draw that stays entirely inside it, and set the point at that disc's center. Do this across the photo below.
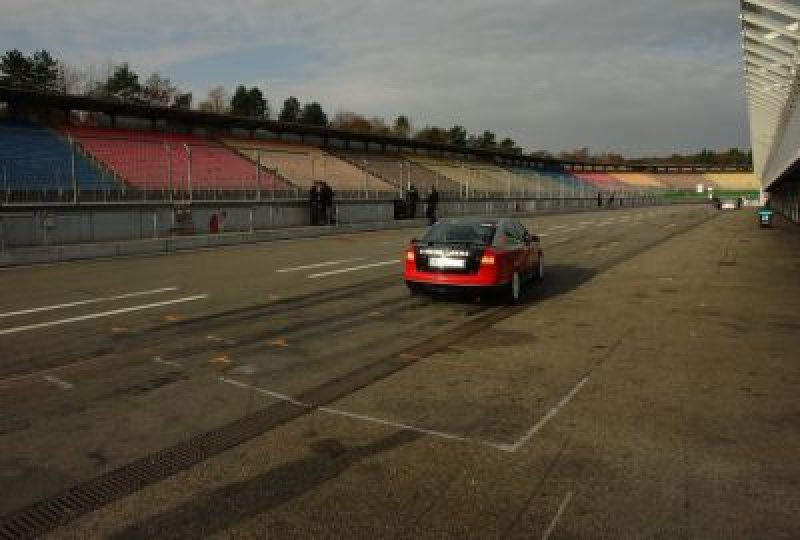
(170, 363)
(64, 385)
(564, 241)
(671, 225)
(549, 416)
(88, 301)
(557, 517)
(217, 339)
(276, 395)
(354, 269)
(318, 265)
(90, 316)
(365, 418)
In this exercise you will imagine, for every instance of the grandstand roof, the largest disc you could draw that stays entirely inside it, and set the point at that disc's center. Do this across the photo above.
(771, 42)
(113, 107)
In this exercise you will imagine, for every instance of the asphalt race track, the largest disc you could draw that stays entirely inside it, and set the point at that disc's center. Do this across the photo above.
(261, 391)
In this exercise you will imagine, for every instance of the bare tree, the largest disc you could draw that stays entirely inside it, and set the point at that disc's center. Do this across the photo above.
(159, 90)
(218, 101)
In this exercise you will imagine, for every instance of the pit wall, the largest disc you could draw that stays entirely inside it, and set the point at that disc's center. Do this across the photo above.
(54, 234)
(787, 201)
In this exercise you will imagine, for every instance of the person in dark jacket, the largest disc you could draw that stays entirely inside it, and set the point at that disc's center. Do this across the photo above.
(314, 203)
(413, 199)
(433, 201)
(326, 198)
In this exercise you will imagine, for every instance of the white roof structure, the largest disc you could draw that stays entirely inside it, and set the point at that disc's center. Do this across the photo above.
(771, 41)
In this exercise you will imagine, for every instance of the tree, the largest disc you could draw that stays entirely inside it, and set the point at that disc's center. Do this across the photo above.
(486, 140)
(290, 111)
(433, 134)
(159, 90)
(44, 72)
(15, 69)
(216, 102)
(508, 145)
(350, 121)
(122, 84)
(71, 80)
(183, 101)
(249, 103)
(313, 115)
(402, 126)
(457, 135)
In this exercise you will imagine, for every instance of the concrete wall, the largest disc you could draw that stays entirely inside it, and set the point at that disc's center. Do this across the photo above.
(68, 226)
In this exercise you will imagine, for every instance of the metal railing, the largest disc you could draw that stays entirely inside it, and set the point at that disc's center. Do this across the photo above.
(118, 170)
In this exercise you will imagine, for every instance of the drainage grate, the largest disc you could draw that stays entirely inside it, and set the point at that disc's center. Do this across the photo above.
(46, 515)
(60, 509)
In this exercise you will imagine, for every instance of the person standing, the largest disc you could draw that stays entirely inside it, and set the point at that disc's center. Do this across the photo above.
(314, 203)
(213, 224)
(413, 199)
(326, 195)
(433, 201)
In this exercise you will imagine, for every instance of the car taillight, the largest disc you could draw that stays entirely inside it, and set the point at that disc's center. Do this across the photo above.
(488, 258)
(410, 255)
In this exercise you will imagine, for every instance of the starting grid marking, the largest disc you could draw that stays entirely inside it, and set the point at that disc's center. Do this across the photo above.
(505, 447)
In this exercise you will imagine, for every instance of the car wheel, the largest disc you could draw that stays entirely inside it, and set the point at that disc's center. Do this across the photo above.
(539, 273)
(514, 288)
(414, 290)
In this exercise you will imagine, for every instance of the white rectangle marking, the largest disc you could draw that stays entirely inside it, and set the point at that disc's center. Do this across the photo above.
(318, 265)
(354, 269)
(64, 385)
(549, 416)
(89, 301)
(102, 314)
(170, 363)
(557, 517)
(365, 418)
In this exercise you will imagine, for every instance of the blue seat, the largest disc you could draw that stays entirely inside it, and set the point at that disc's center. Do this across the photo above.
(33, 157)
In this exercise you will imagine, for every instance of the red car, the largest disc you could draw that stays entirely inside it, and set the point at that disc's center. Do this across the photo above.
(474, 252)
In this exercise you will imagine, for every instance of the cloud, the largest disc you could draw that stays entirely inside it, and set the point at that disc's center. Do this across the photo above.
(637, 77)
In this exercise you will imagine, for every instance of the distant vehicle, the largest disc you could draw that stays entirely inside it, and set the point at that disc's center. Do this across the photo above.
(472, 254)
(765, 217)
(728, 204)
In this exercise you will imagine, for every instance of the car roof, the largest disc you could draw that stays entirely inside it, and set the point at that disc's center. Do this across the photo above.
(474, 220)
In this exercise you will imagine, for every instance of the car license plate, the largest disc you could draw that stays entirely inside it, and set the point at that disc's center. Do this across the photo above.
(446, 262)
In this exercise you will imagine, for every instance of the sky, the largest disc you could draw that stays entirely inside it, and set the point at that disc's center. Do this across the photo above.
(638, 77)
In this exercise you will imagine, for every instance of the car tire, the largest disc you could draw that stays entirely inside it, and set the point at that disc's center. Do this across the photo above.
(538, 274)
(514, 288)
(414, 290)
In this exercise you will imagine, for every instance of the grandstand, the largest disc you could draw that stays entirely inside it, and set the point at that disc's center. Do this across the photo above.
(151, 160)
(603, 181)
(400, 172)
(733, 181)
(304, 164)
(35, 158)
(638, 180)
(552, 184)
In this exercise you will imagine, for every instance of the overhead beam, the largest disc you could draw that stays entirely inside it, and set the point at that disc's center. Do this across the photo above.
(769, 24)
(769, 54)
(772, 43)
(777, 6)
(757, 63)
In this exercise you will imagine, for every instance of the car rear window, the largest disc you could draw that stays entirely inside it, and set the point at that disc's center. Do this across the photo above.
(458, 233)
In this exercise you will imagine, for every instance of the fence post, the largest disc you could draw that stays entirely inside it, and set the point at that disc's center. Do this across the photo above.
(258, 177)
(188, 170)
(168, 150)
(72, 170)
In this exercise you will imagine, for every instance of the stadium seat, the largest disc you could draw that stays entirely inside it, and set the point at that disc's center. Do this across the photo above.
(304, 164)
(151, 160)
(33, 157)
(398, 171)
(638, 181)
